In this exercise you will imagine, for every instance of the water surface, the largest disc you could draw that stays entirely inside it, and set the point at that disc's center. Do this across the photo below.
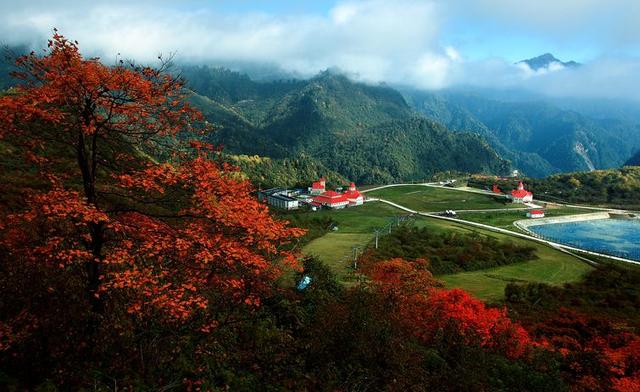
(616, 237)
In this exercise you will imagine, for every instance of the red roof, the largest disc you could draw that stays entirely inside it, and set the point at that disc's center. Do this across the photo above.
(536, 212)
(520, 193)
(353, 194)
(331, 194)
(320, 184)
(330, 197)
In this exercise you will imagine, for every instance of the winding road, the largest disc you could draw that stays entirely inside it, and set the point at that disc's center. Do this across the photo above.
(563, 248)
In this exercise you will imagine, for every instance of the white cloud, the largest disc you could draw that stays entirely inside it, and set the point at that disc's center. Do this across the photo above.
(371, 39)
(452, 53)
(396, 42)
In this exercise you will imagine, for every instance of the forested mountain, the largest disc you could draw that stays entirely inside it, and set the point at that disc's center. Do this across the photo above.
(372, 133)
(334, 120)
(366, 133)
(265, 172)
(539, 138)
(339, 123)
(634, 160)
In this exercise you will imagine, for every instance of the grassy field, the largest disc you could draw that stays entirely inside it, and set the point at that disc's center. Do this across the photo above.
(552, 266)
(355, 227)
(431, 199)
(505, 219)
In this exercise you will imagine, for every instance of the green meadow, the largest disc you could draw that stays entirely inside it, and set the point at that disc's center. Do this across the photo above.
(356, 229)
(431, 199)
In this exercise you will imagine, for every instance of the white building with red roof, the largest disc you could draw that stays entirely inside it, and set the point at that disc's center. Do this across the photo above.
(535, 214)
(331, 199)
(354, 196)
(318, 187)
(521, 195)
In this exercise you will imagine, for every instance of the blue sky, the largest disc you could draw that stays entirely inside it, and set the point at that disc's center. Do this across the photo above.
(477, 36)
(430, 44)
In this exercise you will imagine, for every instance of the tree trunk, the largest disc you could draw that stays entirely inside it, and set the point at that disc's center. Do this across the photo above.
(93, 268)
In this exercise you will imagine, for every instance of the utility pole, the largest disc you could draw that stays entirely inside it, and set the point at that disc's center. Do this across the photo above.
(377, 235)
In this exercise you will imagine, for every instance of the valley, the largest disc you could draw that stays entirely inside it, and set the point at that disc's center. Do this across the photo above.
(352, 231)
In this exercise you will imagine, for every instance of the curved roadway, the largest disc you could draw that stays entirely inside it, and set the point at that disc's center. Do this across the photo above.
(555, 245)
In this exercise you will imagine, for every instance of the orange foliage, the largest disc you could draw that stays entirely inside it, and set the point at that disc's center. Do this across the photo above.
(402, 277)
(429, 311)
(625, 364)
(488, 327)
(75, 93)
(173, 236)
(598, 356)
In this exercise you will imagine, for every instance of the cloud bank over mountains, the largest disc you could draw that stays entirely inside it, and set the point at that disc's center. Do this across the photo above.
(406, 41)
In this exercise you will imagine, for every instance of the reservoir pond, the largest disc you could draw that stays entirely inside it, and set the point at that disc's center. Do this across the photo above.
(616, 237)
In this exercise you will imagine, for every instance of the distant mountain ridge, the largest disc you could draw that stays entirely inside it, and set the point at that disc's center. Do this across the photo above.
(382, 134)
(545, 60)
(537, 137)
(634, 160)
(366, 133)
(333, 119)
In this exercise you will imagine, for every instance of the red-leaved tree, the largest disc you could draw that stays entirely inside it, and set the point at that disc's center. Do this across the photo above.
(175, 239)
(597, 356)
(430, 312)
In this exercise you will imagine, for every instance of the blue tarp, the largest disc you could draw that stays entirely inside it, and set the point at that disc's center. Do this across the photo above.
(306, 280)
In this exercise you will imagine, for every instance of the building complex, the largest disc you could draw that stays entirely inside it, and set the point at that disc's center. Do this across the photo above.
(316, 196)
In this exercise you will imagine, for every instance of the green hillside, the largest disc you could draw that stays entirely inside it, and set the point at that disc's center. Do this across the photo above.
(614, 187)
(539, 138)
(634, 160)
(618, 188)
(266, 172)
(353, 128)
(366, 133)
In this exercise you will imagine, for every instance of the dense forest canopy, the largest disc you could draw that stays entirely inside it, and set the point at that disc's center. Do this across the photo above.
(539, 138)
(289, 116)
(365, 133)
(448, 253)
(616, 187)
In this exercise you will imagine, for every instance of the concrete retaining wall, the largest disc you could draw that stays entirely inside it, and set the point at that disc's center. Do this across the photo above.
(526, 223)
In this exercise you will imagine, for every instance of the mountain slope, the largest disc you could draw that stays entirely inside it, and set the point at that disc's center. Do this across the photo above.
(634, 160)
(538, 138)
(233, 131)
(419, 148)
(287, 172)
(366, 133)
(331, 106)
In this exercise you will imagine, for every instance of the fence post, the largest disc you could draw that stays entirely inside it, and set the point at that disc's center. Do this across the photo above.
(355, 257)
